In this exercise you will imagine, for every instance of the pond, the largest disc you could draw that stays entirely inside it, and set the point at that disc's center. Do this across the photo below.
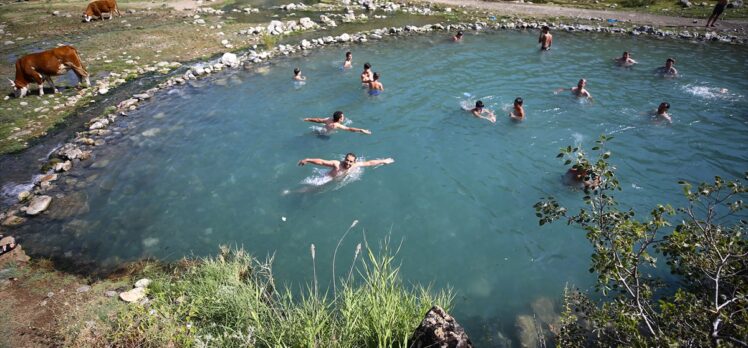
(215, 162)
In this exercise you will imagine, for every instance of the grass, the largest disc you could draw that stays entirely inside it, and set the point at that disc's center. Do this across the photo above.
(231, 300)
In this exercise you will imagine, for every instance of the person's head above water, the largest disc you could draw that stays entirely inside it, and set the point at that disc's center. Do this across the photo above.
(518, 101)
(479, 105)
(338, 116)
(664, 107)
(459, 34)
(296, 71)
(376, 76)
(367, 66)
(669, 62)
(545, 29)
(626, 55)
(348, 55)
(349, 160)
(582, 82)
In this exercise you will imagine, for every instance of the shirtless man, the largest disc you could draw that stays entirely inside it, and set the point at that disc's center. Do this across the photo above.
(339, 168)
(366, 75)
(518, 114)
(480, 109)
(662, 111)
(375, 87)
(579, 91)
(625, 60)
(667, 70)
(297, 75)
(718, 9)
(336, 122)
(457, 37)
(546, 39)
(348, 63)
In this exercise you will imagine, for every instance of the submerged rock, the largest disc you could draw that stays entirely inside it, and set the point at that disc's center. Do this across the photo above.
(13, 220)
(38, 204)
(439, 329)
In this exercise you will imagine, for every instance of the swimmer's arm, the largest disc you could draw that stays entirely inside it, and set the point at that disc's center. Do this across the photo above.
(319, 162)
(562, 89)
(315, 120)
(667, 117)
(376, 162)
(354, 130)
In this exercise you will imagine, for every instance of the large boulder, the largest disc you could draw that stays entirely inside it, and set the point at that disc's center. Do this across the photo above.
(133, 295)
(439, 329)
(38, 204)
(230, 59)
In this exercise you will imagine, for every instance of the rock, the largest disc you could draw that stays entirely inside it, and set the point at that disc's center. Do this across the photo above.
(305, 44)
(68, 152)
(62, 167)
(439, 329)
(24, 195)
(127, 103)
(38, 204)
(13, 220)
(306, 23)
(103, 90)
(230, 59)
(143, 283)
(344, 38)
(56, 13)
(133, 295)
(142, 96)
(82, 289)
(685, 3)
(110, 293)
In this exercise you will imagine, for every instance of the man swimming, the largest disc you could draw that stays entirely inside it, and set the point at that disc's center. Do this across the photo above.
(336, 122)
(457, 37)
(625, 60)
(480, 109)
(366, 75)
(718, 9)
(375, 87)
(518, 114)
(668, 69)
(348, 62)
(579, 91)
(297, 75)
(340, 168)
(662, 111)
(546, 39)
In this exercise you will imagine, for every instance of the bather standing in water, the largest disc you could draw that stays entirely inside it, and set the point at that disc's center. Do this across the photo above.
(662, 111)
(340, 168)
(480, 109)
(546, 39)
(336, 122)
(518, 114)
(375, 87)
(457, 37)
(625, 60)
(366, 75)
(297, 75)
(668, 70)
(348, 62)
(579, 91)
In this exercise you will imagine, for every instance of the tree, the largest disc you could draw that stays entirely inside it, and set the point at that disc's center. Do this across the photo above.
(706, 252)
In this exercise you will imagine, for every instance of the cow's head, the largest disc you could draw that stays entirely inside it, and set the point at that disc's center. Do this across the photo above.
(18, 91)
(88, 14)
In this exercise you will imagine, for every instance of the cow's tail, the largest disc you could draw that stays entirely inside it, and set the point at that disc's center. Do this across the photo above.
(78, 68)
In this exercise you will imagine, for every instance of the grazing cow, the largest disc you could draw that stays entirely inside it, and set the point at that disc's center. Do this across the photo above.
(99, 7)
(41, 66)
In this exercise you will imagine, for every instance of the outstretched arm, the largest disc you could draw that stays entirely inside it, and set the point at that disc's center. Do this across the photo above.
(319, 162)
(491, 117)
(315, 120)
(354, 130)
(560, 90)
(375, 162)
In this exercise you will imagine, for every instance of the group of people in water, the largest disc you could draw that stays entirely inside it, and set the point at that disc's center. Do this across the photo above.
(370, 81)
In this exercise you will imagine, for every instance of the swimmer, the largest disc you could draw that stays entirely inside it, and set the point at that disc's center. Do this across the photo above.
(340, 168)
(625, 60)
(457, 37)
(546, 39)
(297, 75)
(375, 87)
(518, 114)
(336, 122)
(348, 62)
(662, 111)
(579, 176)
(366, 75)
(579, 91)
(668, 69)
(480, 109)
(718, 9)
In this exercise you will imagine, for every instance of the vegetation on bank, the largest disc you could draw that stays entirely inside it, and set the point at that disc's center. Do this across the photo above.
(705, 303)
(699, 8)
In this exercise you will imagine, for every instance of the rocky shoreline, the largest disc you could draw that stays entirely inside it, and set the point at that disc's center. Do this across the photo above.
(63, 159)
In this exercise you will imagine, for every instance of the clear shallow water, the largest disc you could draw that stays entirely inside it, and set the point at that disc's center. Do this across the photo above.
(211, 163)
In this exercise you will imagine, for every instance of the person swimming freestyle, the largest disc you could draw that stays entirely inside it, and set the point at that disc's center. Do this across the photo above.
(340, 168)
(336, 122)
(480, 109)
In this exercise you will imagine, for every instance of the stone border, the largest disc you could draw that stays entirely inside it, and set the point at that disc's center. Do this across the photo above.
(64, 158)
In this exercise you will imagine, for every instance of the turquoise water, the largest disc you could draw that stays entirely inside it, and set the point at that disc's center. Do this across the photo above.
(216, 162)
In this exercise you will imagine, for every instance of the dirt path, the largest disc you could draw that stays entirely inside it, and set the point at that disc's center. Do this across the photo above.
(553, 11)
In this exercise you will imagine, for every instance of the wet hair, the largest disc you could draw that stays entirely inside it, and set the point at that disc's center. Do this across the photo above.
(337, 115)
(625, 52)
(459, 34)
(479, 104)
(367, 66)
(545, 28)
(670, 60)
(518, 101)
(581, 81)
(351, 154)
(348, 54)
(665, 104)
(296, 71)
(376, 76)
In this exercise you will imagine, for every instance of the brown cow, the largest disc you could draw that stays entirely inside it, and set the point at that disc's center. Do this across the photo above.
(99, 7)
(41, 66)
